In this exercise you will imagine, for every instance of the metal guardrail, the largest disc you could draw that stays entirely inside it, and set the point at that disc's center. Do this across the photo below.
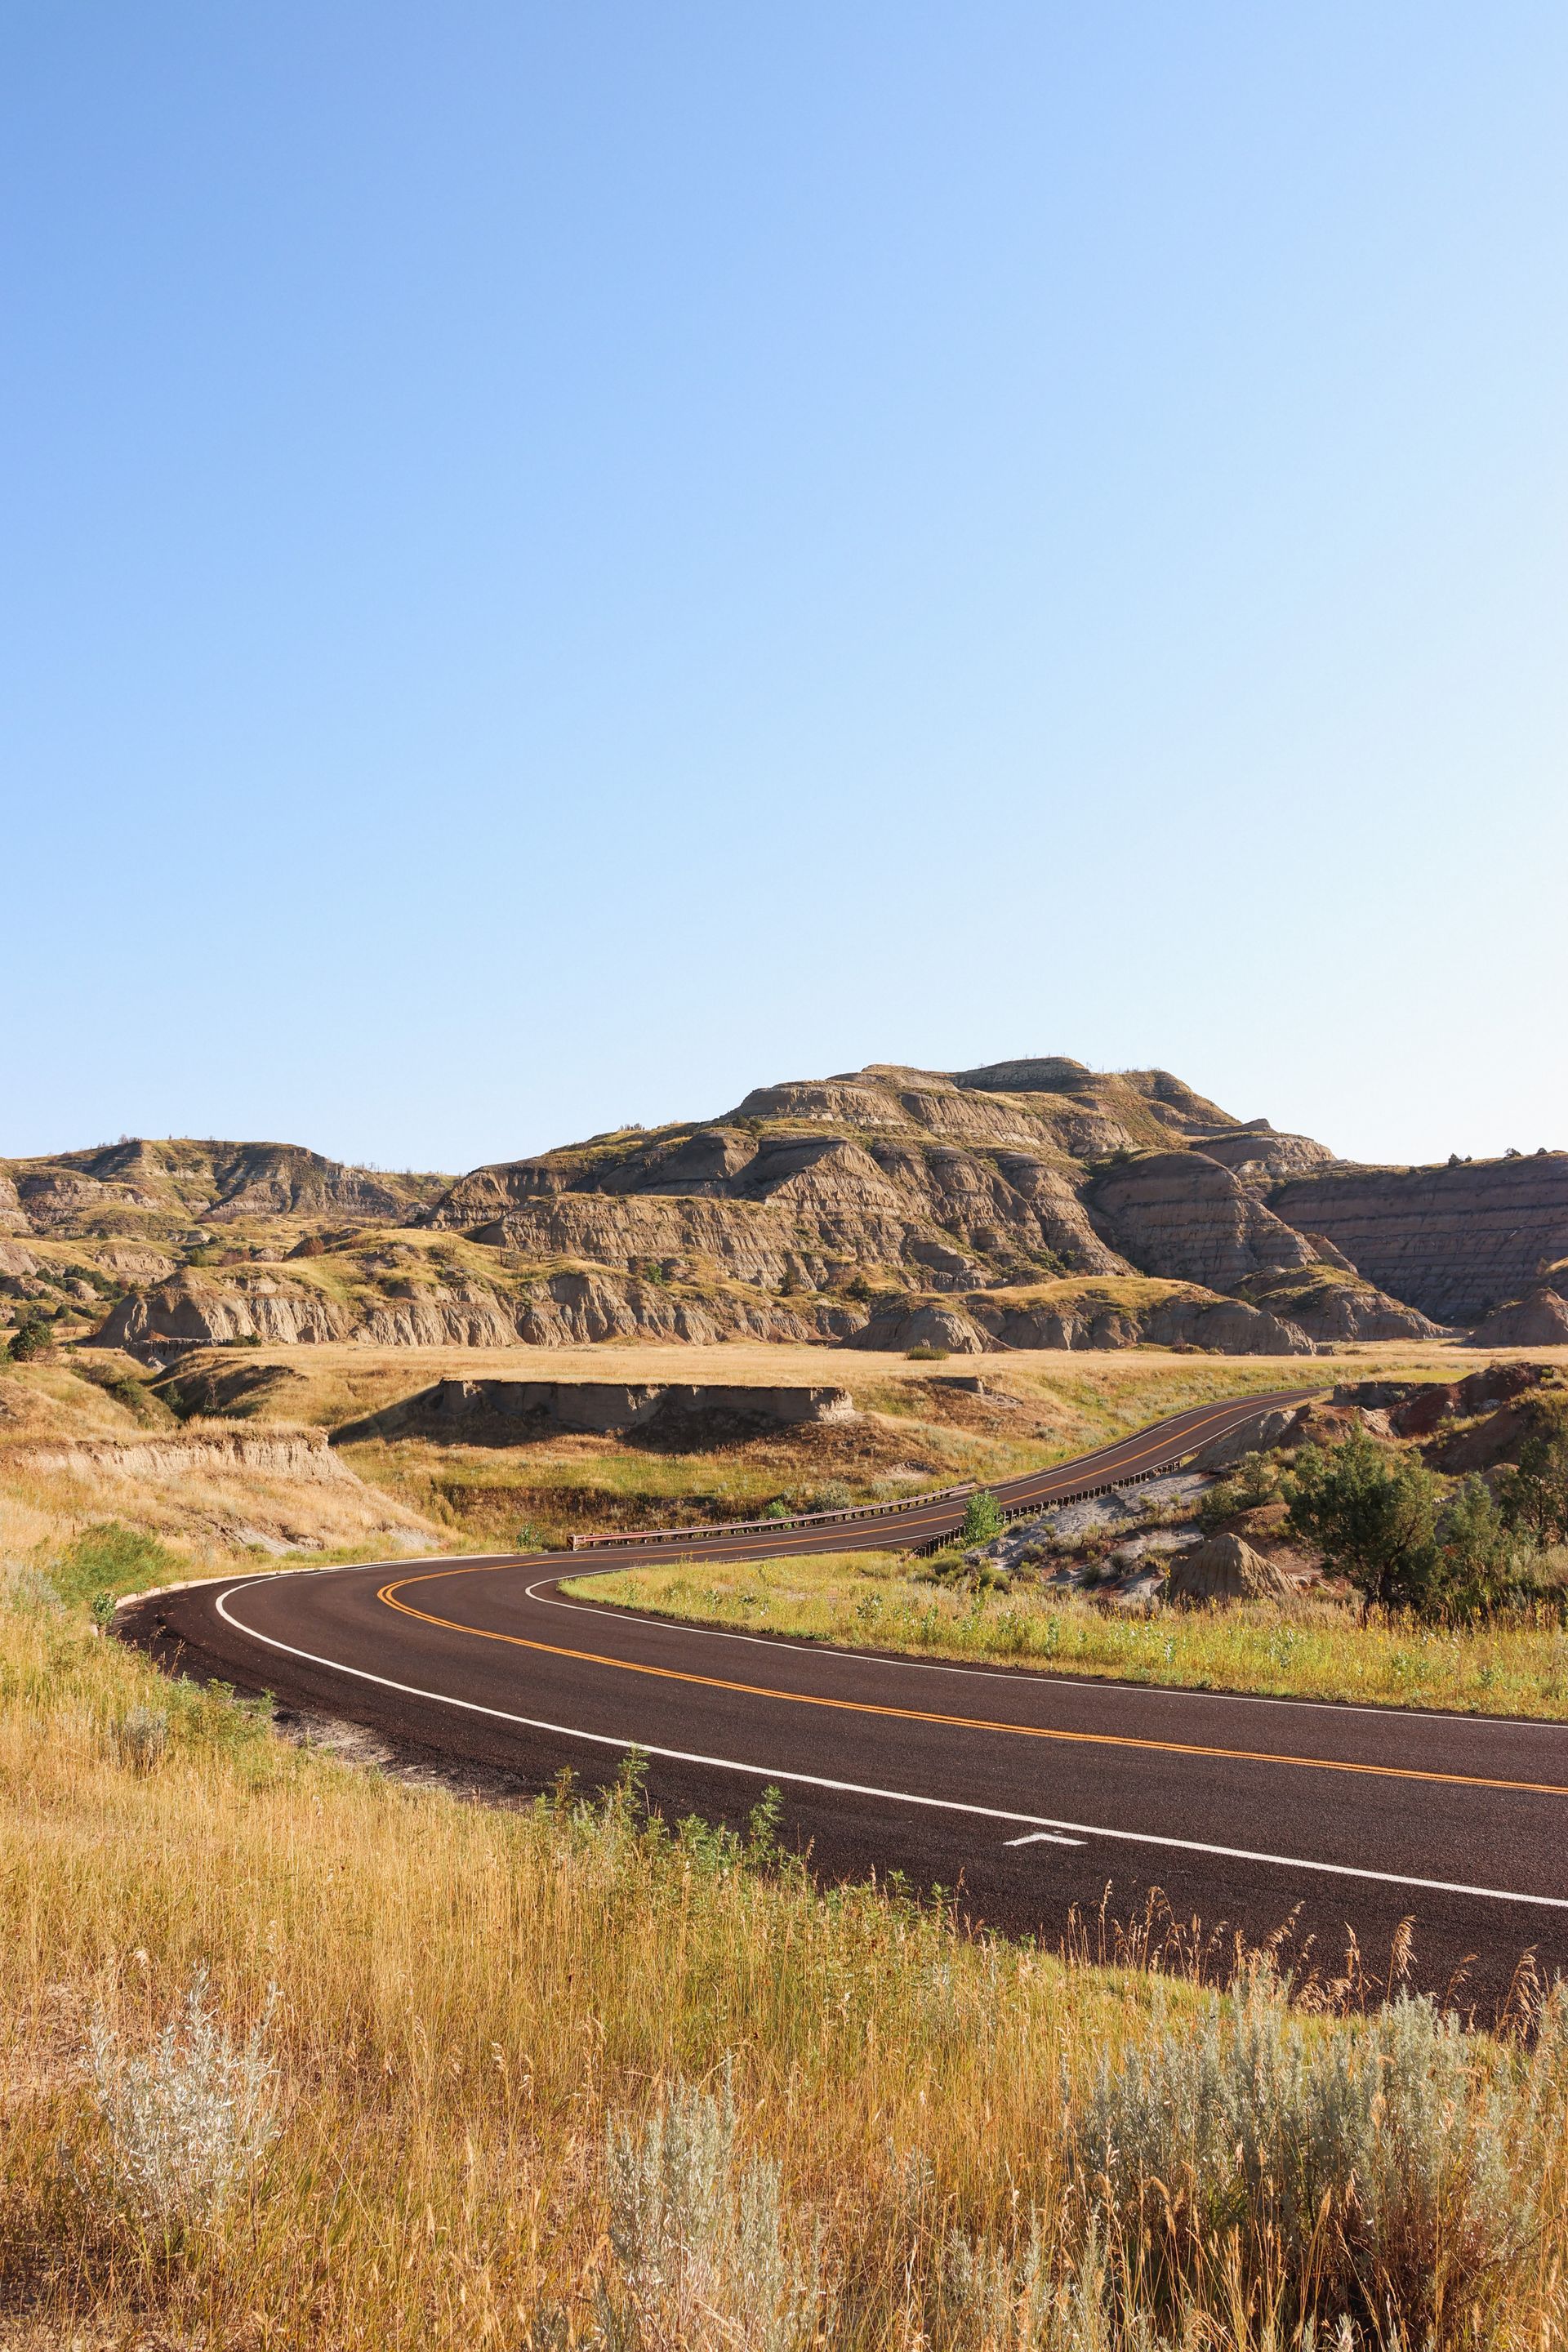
(1078, 1494)
(854, 1511)
(619, 1541)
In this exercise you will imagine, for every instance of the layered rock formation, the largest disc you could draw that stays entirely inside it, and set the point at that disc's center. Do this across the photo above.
(1024, 1204)
(958, 1194)
(193, 1312)
(569, 1308)
(158, 1191)
(1455, 1242)
(1188, 1217)
(1144, 1314)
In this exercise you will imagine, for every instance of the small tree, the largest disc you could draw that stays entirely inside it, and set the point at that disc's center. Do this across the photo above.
(982, 1518)
(1253, 1480)
(1372, 1518)
(32, 1340)
(1534, 1497)
(1479, 1552)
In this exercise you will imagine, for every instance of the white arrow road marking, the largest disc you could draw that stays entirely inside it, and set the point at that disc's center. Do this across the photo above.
(858, 1789)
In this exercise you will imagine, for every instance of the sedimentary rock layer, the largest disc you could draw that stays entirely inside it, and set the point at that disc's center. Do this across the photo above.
(1452, 1241)
(878, 1206)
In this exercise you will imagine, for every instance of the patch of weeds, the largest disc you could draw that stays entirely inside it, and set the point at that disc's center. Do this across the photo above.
(982, 1519)
(703, 2246)
(141, 1738)
(29, 1593)
(188, 2122)
(112, 1557)
(126, 1390)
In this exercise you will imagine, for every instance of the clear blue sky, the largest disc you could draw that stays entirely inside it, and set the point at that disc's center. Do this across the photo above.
(564, 560)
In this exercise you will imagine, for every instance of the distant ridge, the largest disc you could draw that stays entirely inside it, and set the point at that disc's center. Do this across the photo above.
(1026, 1203)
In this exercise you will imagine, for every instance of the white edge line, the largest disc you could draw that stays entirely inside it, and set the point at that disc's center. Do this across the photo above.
(997, 1671)
(886, 1795)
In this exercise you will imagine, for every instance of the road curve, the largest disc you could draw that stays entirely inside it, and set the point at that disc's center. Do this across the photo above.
(1033, 1793)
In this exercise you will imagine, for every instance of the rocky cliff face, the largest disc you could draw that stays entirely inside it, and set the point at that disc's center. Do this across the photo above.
(668, 1412)
(568, 1309)
(1183, 1215)
(1260, 1157)
(1455, 1242)
(1539, 1321)
(886, 1200)
(153, 1188)
(1092, 1315)
(930, 1177)
(189, 1312)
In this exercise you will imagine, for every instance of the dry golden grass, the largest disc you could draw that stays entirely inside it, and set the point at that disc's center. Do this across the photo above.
(465, 1996)
(73, 1454)
(215, 1487)
(344, 1381)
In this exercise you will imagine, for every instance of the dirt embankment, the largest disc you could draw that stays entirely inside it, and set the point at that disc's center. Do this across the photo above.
(673, 1413)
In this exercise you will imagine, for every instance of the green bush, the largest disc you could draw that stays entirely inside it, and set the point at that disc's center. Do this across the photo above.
(982, 1518)
(1372, 1516)
(925, 1351)
(1481, 1564)
(1403, 1540)
(29, 1340)
(834, 1495)
(1253, 1480)
(1534, 1497)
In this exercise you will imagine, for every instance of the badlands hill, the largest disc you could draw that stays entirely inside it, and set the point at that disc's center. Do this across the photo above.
(1029, 1203)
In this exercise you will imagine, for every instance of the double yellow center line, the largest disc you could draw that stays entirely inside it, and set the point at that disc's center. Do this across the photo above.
(389, 1594)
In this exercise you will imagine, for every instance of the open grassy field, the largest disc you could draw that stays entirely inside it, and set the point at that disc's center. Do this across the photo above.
(298, 2057)
(83, 1438)
(918, 1430)
(339, 1384)
(1302, 1649)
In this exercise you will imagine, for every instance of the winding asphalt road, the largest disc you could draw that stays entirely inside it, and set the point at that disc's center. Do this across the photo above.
(1033, 1794)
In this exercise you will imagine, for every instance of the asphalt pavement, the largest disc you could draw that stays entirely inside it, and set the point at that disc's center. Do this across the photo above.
(1037, 1797)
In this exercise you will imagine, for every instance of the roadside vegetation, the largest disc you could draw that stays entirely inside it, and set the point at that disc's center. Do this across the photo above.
(916, 1431)
(298, 2056)
(68, 1415)
(1442, 1592)
(1412, 1543)
(1304, 1649)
